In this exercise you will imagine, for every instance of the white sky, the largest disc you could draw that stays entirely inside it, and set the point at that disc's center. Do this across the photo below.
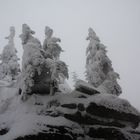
(116, 22)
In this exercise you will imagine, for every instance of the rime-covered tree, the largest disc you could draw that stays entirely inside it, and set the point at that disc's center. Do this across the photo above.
(9, 67)
(40, 70)
(35, 74)
(99, 71)
(51, 45)
(59, 71)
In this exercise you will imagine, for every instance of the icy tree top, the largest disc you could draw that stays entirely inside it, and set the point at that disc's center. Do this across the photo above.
(49, 33)
(26, 29)
(49, 41)
(12, 35)
(26, 35)
(92, 35)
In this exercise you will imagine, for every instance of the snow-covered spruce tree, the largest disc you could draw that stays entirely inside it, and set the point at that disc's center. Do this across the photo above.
(59, 71)
(99, 71)
(9, 67)
(40, 70)
(35, 72)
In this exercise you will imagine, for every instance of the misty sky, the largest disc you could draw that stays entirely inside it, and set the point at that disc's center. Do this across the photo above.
(116, 22)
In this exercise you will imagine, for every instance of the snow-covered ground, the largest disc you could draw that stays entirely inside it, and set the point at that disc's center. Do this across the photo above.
(33, 116)
(7, 90)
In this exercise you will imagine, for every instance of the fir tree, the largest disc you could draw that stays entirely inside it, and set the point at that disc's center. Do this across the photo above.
(9, 67)
(59, 70)
(51, 45)
(41, 70)
(99, 71)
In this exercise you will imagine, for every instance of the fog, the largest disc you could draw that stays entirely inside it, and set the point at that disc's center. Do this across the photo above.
(116, 22)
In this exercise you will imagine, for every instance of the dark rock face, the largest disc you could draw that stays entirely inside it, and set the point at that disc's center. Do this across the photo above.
(81, 107)
(4, 131)
(91, 120)
(109, 133)
(102, 120)
(70, 106)
(46, 136)
(54, 133)
(102, 111)
(97, 113)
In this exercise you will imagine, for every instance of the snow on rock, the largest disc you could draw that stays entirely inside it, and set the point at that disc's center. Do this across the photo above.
(112, 102)
(86, 88)
(33, 117)
(99, 109)
(68, 116)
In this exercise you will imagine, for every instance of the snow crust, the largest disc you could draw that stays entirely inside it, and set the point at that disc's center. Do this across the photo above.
(27, 118)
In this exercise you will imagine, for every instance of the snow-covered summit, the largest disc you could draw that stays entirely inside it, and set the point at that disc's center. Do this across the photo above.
(72, 116)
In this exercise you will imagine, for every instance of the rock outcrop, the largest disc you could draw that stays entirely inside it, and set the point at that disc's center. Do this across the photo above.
(73, 116)
(85, 87)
